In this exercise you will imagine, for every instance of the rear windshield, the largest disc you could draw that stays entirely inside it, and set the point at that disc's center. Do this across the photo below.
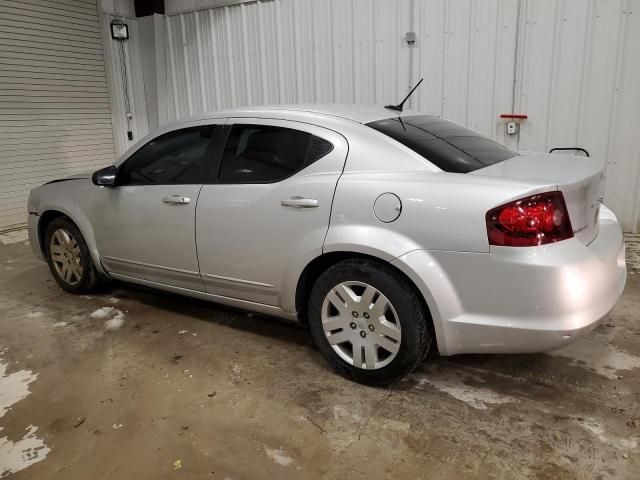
(449, 146)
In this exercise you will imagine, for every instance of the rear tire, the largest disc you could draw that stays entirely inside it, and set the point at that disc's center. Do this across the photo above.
(69, 258)
(368, 322)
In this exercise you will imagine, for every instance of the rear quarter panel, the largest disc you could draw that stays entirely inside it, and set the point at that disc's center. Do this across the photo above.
(440, 211)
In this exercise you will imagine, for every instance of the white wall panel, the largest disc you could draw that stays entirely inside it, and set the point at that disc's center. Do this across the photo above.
(579, 83)
(55, 118)
(572, 65)
(287, 51)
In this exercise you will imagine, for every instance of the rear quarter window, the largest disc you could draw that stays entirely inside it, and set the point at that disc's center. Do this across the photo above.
(448, 146)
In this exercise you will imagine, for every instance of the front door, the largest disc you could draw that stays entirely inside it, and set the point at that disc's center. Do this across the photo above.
(267, 212)
(146, 226)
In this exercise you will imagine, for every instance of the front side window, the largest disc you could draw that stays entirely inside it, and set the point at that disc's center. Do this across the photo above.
(175, 158)
(448, 146)
(267, 154)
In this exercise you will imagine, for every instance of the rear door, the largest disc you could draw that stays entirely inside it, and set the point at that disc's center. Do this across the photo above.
(266, 213)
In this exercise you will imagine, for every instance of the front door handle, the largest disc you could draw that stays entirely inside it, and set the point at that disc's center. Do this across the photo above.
(300, 202)
(176, 200)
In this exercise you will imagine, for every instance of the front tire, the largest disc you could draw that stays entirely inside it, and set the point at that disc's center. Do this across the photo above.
(69, 258)
(368, 321)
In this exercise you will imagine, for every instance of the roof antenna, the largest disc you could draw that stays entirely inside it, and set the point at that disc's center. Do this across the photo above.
(401, 104)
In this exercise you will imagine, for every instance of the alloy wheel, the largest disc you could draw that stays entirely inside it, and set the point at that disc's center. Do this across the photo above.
(65, 256)
(361, 325)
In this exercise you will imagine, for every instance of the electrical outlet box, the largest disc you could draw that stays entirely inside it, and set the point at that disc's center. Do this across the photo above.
(512, 128)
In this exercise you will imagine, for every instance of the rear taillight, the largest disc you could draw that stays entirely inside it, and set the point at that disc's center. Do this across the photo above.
(530, 221)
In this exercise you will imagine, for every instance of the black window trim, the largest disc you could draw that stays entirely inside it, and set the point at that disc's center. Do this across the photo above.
(217, 164)
(215, 141)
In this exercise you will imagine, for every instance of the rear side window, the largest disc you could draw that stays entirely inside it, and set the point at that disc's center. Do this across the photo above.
(267, 154)
(449, 146)
(175, 158)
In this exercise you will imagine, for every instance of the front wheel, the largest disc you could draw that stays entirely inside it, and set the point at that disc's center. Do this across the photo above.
(69, 258)
(368, 321)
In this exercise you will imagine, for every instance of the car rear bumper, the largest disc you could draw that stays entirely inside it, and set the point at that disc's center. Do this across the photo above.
(519, 300)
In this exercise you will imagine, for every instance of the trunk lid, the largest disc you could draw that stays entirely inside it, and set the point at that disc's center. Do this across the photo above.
(580, 179)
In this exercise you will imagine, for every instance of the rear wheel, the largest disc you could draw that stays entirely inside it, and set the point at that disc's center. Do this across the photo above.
(368, 321)
(69, 258)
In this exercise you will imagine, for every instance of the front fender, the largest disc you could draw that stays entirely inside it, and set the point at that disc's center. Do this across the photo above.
(77, 216)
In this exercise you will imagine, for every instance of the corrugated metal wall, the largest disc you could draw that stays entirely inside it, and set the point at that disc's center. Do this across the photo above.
(579, 80)
(55, 118)
(288, 51)
(572, 65)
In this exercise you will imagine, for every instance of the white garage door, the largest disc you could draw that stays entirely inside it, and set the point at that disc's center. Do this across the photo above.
(55, 118)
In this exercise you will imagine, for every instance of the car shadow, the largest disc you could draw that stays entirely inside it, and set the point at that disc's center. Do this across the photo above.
(508, 372)
(237, 319)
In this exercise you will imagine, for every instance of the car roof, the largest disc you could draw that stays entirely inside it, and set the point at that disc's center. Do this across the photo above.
(353, 112)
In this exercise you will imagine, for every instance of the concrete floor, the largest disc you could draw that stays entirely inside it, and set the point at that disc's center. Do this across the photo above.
(138, 384)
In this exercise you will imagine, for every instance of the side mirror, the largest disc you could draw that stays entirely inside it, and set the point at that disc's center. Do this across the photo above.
(105, 177)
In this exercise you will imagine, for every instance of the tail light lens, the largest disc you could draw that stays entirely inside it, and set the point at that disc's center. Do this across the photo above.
(530, 221)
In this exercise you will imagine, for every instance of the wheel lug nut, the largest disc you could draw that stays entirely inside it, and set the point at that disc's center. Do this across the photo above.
(365, 315)
(371, 328)
(352, 325)
(363, 333)
(355, 314)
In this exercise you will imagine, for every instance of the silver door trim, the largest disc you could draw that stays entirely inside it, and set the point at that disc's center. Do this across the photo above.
(229, 301)
(238, 280)
(150, 265)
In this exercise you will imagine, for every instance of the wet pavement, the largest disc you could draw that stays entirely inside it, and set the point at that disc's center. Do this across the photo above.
(131, 383)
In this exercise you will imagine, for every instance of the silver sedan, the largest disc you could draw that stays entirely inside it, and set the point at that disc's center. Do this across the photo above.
(389, 233)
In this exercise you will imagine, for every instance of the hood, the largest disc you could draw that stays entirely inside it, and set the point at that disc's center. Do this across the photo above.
(76, 176)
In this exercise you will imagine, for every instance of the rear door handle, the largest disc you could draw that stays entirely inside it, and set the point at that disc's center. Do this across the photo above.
(176, 200)
(300, 202)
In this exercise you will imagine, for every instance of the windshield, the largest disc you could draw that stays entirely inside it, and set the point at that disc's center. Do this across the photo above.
(448, 146)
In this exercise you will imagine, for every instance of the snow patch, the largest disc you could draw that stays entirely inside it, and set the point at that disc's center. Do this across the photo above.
(452, 383)
(605, 437)
(102, 313)
(605, 361)
(35, 315)
(19, 455)
(116, 322)
(114, 317)
(278, 456)
(14, 386)
(16, 236)
(60, 324)
(29, 449)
